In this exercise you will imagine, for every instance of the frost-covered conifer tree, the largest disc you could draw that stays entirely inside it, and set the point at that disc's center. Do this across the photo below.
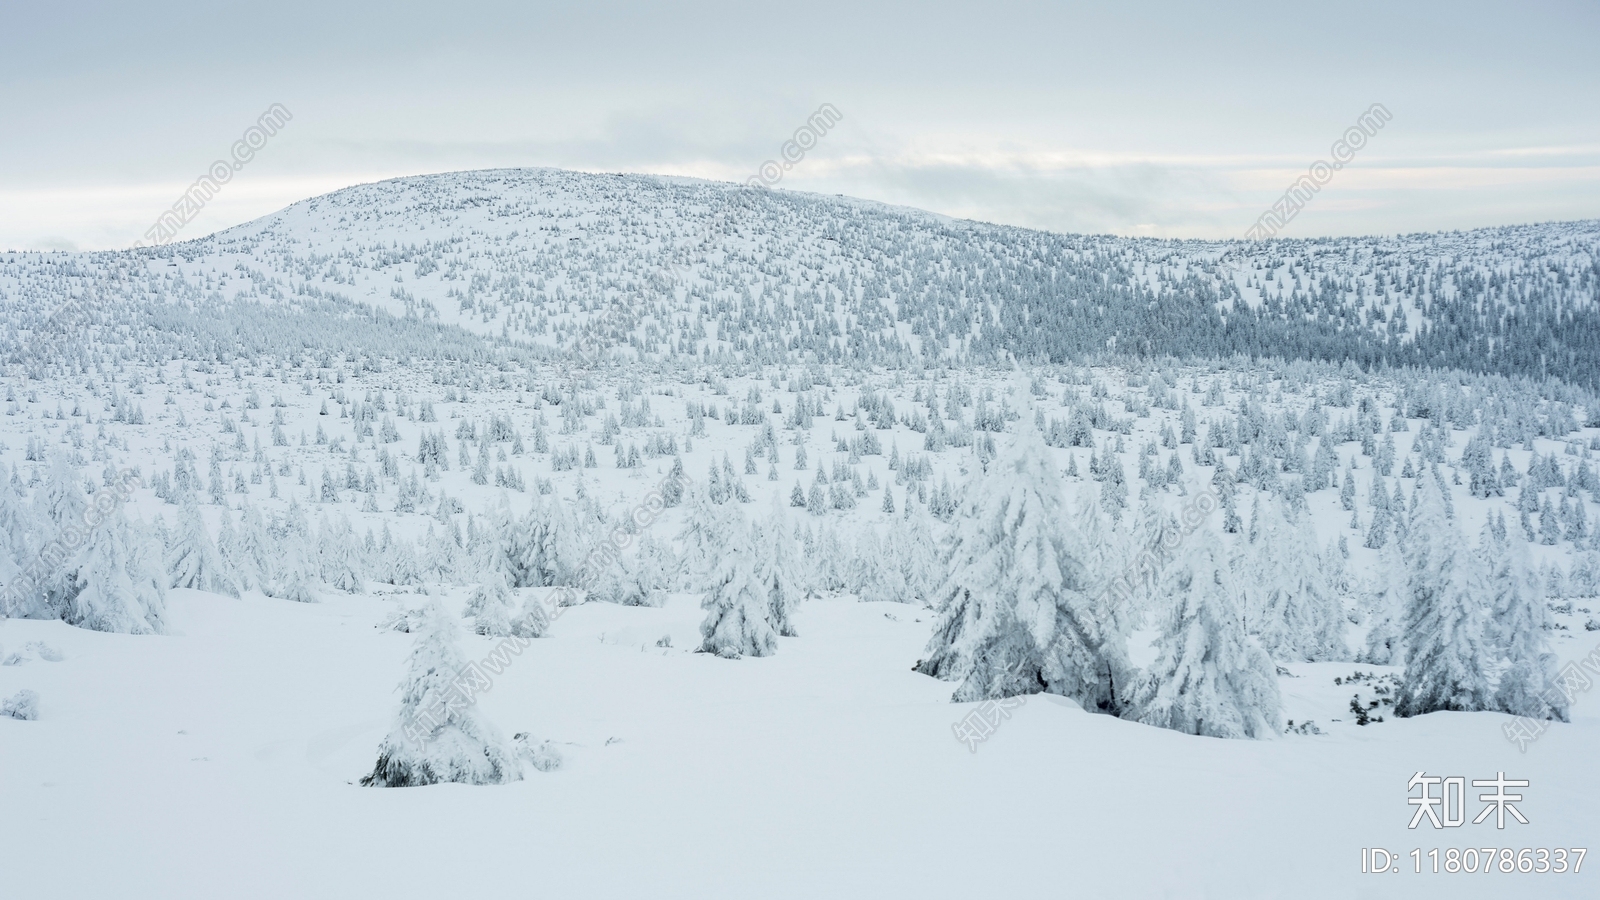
(780, 571)
(17, 524)
(672, 488)
(441, 555)
(1446, 595)
(294, 573)
(1387, 614)
(1013, 614)
(915, 552)
(1108, 577)
(1209, 677)
(825, 556)
(1549, 525)
(533, 620)
(118, 585)
(60, 501)
(339, 557)
(1378, 531)
(1300, 616)
(1153, 542)
(874, 574)
(570, 532)
(704, 531)
(250, 557)
(436, 738)
(1476, 459)
(508, 549)
(192, 560)
(490, 604)
(58, 519)
(737, 604)
(1517, 629)
(227, 542)
(1584, 579)
(639, 578)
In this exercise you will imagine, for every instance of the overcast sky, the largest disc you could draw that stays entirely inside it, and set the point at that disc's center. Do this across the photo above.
(1166, 119)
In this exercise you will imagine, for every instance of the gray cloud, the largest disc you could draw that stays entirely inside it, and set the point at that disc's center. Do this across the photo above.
(1161, 118)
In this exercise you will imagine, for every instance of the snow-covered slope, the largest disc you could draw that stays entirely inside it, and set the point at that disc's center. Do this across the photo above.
(668, 266)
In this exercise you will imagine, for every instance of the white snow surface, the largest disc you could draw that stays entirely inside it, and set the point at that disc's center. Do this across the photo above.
(221, 760)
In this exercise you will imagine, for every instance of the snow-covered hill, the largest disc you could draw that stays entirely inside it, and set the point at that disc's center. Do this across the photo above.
(669, 267)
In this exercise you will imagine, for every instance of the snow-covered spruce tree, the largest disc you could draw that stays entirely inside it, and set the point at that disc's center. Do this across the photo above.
(192, 560)
(1446, 599)
(1584, 579)
(441, 557)
(397, 561)
(533, 620)
(509, 550)
(1299, 617)
(704, 531)
(435, 738)
(644, 575)
(1209, 677)
(737, 603)
(490, 604)
(294, 574)
(874, 574)
(56, 538)
(17, 524)
(1378, 532)
(339, 557)
(1153, 543)
(1108, 583)
(227, 545)
(1517, 629)
(825, 557)
(855, 564)
(1387, 609)
(575, 530)
(118, 585)
(249, 557)
(780, 570)
(1476, 459)
(60, 501)
(916, 551)
(672, 488)
(1013, 614)
(534, 544)
(651, 569)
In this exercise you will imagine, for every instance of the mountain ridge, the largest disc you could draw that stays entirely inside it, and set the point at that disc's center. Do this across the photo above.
(669, 267)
